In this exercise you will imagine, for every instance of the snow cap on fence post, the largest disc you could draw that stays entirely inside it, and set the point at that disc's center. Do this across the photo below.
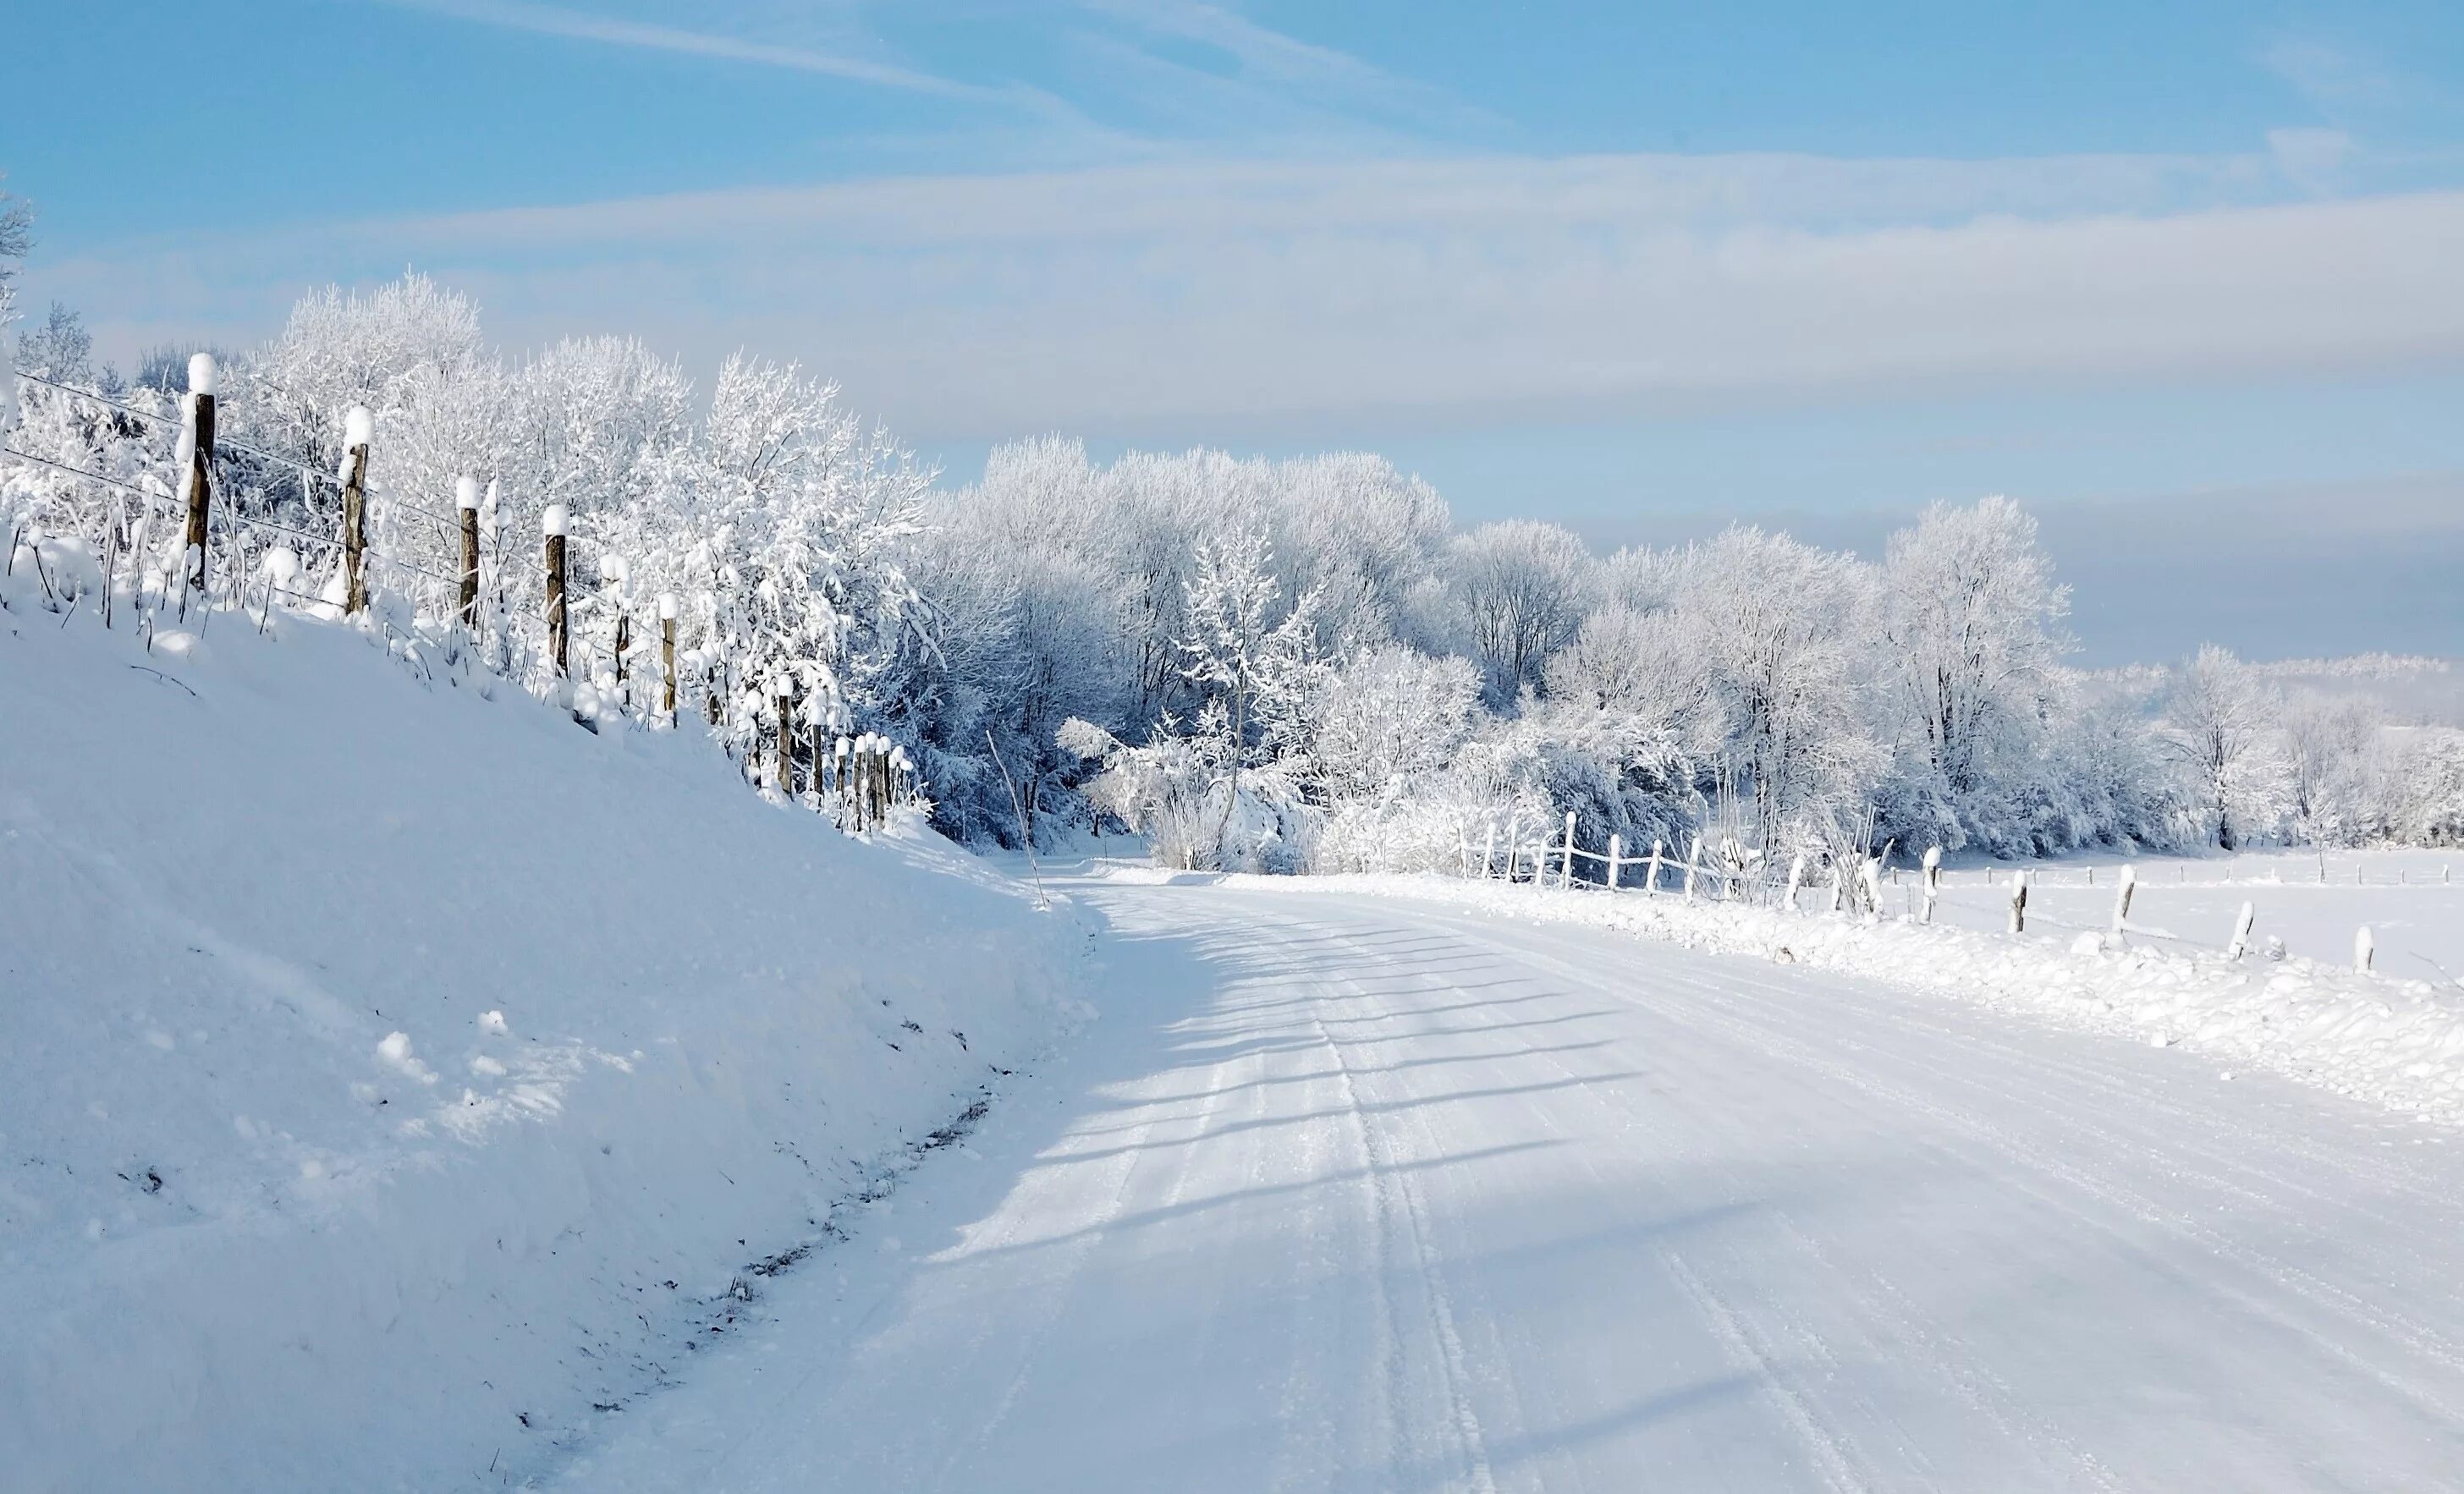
(553, 520)
(201, 373)
(2364, 948)
(466, 494)
(359, 427)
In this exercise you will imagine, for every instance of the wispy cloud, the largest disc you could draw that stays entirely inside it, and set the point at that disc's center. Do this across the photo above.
(2329, 77)
(549, 20)
(1269, 66)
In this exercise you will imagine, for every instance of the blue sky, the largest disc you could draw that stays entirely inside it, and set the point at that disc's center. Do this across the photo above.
(1639, 267)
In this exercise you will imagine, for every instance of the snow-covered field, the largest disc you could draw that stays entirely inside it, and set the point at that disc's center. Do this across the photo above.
(389, 1076)
(2412, 901)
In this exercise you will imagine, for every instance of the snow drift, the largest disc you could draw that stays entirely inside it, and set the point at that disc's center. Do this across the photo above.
(2393, 1041)
(389, 1076)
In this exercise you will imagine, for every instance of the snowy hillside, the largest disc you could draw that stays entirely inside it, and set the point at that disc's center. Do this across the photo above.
(390, 1075)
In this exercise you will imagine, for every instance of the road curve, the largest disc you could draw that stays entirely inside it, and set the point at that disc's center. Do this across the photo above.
(1343, 1194)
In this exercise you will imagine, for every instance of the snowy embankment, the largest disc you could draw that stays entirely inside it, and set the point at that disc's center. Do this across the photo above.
(2395, 1042)
(390, 1076)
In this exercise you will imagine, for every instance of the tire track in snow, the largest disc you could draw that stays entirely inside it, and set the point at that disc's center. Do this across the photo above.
(1401, 1206)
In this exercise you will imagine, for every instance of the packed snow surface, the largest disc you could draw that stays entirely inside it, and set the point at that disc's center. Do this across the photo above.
(390, 1076)
(1362, 1192)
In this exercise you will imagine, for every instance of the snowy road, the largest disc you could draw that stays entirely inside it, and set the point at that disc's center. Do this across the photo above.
(1345, 1193)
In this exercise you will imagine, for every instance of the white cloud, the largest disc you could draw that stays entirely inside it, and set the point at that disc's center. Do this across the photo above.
(1446, 290)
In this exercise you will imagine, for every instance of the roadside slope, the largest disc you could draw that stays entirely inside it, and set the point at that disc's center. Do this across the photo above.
(389, 1075)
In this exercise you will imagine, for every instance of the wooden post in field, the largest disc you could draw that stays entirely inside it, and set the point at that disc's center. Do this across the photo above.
(1693, 864)
(198, 437)
(1932, 886)
(1565, 861)
(668, 655)
(786, 708)
(1796, 878)
(466, 504)
(2364, 949)
(1617, 849)
(552, 527)
(358, 432)
(1651, 878)
(2018, 902)
(2121, 896)
(2241, 933)
(1488, 854)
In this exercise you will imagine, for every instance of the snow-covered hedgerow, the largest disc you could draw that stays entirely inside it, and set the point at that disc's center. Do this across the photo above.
(389, 1075)
(2393, 1041)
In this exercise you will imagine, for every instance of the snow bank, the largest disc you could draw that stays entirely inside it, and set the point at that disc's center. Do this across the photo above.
(2397, 1042)
(389, 1075)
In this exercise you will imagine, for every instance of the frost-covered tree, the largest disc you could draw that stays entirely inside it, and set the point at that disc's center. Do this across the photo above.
(1781, 623)
(16, 241)
(1389, 720)
(2216, 718)
(1520, 589)
(1970, 618)
(1257, 669)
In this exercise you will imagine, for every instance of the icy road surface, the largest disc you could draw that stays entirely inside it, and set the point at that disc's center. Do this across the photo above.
(1349, 1195)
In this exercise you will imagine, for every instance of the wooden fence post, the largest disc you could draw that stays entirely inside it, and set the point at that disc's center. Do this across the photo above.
(2364, 949)
(1617, 847)
(359, 433)
(2121, 896)
(1932, 885)
(198, 437)
(784, 706)
(552, 526)
(668, 655)
(2241, 933)
(2018, 902)
(1693, 862)
(466, 504)
(1796, 878)
(1651, 879)
(1565, 862)
(1488, 854)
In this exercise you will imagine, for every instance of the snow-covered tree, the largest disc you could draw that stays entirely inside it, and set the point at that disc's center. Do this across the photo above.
(1257, 671)
(2216, 718)
(1970, 615)
(1520, 589)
